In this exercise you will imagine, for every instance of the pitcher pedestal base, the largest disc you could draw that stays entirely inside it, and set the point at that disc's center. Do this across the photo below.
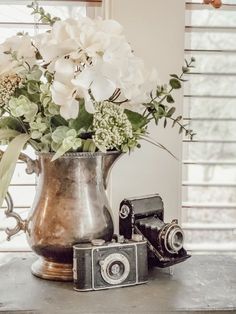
(52, 271)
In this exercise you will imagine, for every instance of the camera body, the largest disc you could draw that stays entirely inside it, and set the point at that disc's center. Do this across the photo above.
(110, 265)
(145, 216)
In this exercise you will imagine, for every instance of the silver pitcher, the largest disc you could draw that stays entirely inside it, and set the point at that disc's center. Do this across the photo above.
(70, 206)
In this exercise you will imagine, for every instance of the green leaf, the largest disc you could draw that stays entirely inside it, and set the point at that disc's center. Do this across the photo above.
(136, 119)
(61, 151)
(58, 121)
(170, 112)
(8, 163)
(175, 84)
(165, 123)
(84, 120)
(59, 134)
(170, 99)
(174, 75)
(10, 123)
(33, 87)
(185, 69)
(181, 129)
(89, 146)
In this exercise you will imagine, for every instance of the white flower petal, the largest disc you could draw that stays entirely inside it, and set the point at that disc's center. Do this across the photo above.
(102, 88)
(64, 70)
(84, 79)
(110, 26)
(70, 109)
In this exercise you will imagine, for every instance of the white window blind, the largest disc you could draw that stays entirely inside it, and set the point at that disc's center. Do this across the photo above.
(15, 17)
(209, 165)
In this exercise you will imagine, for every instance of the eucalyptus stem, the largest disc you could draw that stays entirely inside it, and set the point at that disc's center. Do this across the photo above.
(156, 110)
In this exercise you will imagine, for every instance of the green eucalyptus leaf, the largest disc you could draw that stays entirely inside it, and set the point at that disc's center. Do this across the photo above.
(170, 112)
(174, 75)
(181, 129)
(60, 134)
(185, 69)
(136, 119)
(175, 84)
(33, 87)
(165, 123)
(170, 99)
(35, 74)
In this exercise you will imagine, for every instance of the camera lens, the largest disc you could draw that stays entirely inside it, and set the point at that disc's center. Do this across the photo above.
(115, 268)
(176, 239)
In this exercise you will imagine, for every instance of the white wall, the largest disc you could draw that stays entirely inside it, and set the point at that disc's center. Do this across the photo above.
(155, 29)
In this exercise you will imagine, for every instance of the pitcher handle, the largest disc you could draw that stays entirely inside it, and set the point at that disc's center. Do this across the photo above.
(21, 224)
(32, 165)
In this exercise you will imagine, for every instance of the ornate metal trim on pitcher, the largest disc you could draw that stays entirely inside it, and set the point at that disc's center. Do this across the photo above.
(70, 207)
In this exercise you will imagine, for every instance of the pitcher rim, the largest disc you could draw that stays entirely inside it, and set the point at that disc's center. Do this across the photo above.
(79, 154)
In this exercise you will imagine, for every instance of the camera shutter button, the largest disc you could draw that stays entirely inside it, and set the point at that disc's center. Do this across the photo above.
(98, 242)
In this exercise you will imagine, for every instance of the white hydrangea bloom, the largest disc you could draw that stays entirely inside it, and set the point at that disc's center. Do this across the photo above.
(90, 59)
(22, 47)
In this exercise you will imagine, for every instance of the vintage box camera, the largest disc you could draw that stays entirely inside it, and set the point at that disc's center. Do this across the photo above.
(145, 216)
(101, 265)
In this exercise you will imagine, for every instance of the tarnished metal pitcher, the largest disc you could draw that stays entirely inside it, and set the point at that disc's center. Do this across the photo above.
(70, 206)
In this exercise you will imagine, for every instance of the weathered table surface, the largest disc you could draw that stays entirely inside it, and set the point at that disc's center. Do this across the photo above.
(203, 283)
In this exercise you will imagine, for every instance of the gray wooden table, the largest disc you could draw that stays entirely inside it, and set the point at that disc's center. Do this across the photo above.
(203, 283)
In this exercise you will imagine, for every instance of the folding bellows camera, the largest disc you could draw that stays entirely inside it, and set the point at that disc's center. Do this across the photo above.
(145, 216)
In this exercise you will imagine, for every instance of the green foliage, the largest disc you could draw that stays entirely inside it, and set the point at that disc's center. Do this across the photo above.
(170, 99)
(44, 17)
(84, 120)
(65, 139)
(175, 83)
(10, 123)
(158, 109)
(22, 106)
(89, 146)
(137, 120)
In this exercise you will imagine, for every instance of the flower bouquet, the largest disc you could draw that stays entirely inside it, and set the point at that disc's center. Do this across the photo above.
(78, 87)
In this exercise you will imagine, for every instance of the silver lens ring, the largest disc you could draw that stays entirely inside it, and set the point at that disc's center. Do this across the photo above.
(174, 238)
(115, 268)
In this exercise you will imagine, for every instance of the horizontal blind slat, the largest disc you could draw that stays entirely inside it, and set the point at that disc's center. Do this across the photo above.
(209, 205)
(209, 184)
(210, 163)
(195, 226)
